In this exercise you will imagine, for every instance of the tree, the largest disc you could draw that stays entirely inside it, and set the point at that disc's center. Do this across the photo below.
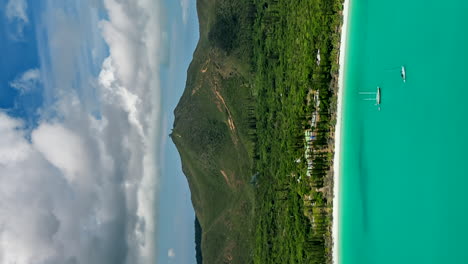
(225, 32)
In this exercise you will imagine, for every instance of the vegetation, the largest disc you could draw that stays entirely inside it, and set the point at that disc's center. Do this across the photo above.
(252, 88)
(293, 210)
(198, 237)
(212, 135)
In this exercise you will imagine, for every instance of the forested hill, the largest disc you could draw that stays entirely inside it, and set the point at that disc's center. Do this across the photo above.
(211, 131)
(254, 129)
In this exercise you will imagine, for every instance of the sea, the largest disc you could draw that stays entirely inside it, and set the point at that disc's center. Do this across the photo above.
(404, 163)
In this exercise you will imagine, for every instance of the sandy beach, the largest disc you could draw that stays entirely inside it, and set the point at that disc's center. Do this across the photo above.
(338, 136)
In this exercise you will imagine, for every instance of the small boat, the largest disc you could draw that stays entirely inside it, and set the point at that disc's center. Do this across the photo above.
(403, 73)
(377, 96)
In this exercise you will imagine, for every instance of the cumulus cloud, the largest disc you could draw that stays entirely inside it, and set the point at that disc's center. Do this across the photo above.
(171, 253)
(52, 210)
(27, 81)
(80, 187)
(16, 13)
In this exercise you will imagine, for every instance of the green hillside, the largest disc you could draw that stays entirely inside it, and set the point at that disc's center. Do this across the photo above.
(251, 90)
(211, 134)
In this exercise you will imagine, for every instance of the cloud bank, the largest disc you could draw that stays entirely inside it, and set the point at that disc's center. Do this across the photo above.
(80, 187)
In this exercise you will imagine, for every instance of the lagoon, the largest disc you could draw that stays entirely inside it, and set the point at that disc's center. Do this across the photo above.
(404, 169)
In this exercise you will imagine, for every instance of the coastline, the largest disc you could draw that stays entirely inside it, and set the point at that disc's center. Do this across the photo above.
(338, 136)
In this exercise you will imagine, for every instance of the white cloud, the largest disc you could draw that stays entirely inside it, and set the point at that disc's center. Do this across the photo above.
(16, 12)
(119, 95)
(12, 149)
(51, 139)
(185, 4)
(134, 61)
(16, 9)
(27, 81)
(45, 217)
(171, 253)
(80, 188)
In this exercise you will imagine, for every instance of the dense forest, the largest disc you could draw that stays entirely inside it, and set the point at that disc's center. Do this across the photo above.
(296, 66)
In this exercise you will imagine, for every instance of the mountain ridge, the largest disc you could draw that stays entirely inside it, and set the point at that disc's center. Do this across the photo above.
(211, 134)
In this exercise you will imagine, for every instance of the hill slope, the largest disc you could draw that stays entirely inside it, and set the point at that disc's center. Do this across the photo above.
(263, 76)
(211, 134)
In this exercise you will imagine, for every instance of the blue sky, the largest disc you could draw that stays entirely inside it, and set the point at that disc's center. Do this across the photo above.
(17, 44)
(176, 217)
(87, 92)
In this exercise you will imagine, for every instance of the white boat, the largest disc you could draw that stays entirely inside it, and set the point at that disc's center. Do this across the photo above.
(403, 73)
(377, 96)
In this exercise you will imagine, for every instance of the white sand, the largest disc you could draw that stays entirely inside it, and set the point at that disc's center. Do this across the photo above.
(338, 135)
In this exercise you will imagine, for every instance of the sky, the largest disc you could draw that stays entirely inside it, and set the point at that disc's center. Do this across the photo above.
(88, 173)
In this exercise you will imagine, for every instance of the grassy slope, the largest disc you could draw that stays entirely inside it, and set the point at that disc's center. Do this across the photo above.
(212, 140)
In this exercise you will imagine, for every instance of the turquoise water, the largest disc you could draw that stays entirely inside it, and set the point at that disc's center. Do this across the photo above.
(404, 192)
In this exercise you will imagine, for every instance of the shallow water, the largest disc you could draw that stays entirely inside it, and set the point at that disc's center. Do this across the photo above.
(404, 174)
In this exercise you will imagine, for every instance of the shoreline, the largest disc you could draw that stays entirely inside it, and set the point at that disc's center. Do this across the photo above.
(338, 136)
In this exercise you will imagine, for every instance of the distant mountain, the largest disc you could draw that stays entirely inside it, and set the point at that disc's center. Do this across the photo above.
(211, 132)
